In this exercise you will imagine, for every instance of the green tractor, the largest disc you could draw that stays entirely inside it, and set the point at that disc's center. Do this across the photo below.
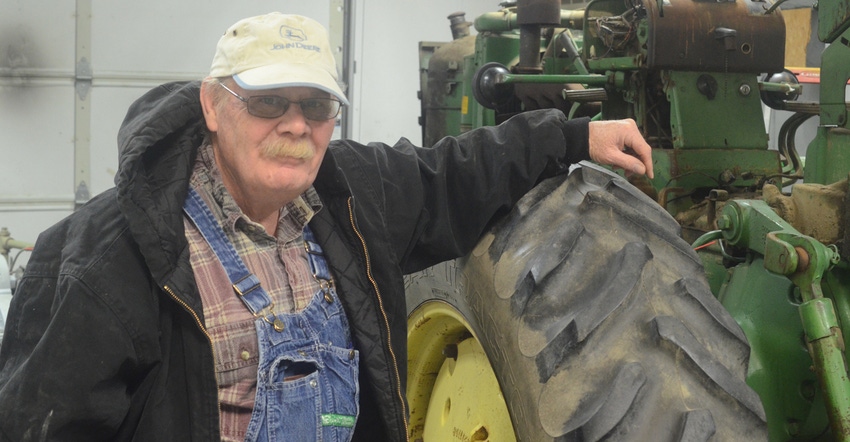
(709, 303)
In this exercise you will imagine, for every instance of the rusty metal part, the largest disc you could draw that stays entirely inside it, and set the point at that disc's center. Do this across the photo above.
(845, 245)
(803, 259)
(711, 36)
(662, 195)
(814, 209)
(714, 196)
(531, 15)
(459, 25)
(585, 95)
(539, 12)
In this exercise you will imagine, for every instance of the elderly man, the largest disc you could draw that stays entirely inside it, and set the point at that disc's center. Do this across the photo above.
(243, 281)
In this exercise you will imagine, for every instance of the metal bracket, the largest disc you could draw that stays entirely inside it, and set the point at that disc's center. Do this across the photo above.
(81, 194)
(82, 78)
(82, 109)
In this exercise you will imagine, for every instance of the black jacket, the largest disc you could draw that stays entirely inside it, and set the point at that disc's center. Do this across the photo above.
(106, 338)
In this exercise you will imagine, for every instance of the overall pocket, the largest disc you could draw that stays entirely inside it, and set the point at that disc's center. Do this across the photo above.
(340, 404)
(293, 398)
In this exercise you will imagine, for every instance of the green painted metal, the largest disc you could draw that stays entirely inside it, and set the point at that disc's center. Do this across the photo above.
(766, 306)
(747, 223)
(833, 19)
(753, 224)
(819, 317)
(828, 157)
(467, 101)
(823, 333)
(568, 61)
(442, 67)
(836, 286)
(715, 110)
(506, 20)
(614, 64)
(715, 269)
(785, 88)
(590, 80)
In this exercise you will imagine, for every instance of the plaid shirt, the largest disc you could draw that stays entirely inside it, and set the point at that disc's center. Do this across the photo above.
(279, 262)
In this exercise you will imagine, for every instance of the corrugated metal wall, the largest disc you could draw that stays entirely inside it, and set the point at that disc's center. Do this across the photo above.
(68, 71)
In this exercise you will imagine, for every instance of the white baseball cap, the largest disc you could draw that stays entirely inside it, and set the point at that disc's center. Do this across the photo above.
(277, 50)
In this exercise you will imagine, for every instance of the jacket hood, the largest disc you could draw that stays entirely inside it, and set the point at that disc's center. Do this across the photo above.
(157, 144)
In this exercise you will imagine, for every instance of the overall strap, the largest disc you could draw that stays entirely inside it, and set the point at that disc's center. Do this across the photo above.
(315, 254)
(245, 284)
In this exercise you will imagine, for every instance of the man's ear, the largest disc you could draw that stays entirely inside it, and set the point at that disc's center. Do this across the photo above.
(208, 105)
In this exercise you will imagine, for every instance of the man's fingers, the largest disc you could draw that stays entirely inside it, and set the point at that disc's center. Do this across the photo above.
(630, 164)
(619, 143)
(642, 161)
(637, 147)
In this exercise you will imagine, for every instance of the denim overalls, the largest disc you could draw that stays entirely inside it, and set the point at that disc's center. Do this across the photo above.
(307, 387)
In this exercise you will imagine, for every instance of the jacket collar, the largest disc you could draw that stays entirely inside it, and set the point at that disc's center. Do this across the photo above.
(330, 180)
(157, 142)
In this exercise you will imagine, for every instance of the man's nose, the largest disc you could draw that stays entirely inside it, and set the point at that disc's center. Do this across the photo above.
(293, 121)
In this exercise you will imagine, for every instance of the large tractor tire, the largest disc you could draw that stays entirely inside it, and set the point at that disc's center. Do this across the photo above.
(581, 316)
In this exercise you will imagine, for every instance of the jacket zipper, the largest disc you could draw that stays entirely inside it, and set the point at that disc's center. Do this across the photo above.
(383, 313)
(203, 330)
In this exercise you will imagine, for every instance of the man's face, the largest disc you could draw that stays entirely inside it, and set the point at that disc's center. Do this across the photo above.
(265, 161)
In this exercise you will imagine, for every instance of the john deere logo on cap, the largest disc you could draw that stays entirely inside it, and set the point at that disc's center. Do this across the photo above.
(296, 36)
(293, 34)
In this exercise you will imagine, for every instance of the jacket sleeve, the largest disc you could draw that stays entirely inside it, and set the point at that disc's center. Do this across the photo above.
(439, 200)
(65, 363)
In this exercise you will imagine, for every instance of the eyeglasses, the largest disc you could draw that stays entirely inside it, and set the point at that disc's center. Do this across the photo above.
(273, 106)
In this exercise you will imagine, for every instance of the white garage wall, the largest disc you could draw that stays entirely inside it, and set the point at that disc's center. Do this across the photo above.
(137, 45)
(134, 46)
(36, 114)
(388, 33)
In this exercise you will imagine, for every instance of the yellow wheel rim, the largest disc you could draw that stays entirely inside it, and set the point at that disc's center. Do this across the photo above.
(452, 388)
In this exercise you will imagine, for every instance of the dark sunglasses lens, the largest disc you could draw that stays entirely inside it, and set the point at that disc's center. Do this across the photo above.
(267, 106)
(272, 106)
(320, 108)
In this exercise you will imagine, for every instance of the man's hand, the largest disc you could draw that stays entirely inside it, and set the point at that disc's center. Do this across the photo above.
(618, 143)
